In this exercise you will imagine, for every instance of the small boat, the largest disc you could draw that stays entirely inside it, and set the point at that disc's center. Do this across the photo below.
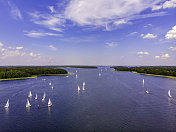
(99, 74)
(49, 103)
(76, 76)
(147, 92)
(50, 83)
(44, 96)
(83, 88)
(84, 83)
(78, 88)
(7, 104)
(36, 97)
(143, 82)
(52, 87)
(169, 94)
(30, 94)
(28, 104)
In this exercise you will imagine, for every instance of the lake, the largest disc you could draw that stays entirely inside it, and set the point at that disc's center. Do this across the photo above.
(114, 101)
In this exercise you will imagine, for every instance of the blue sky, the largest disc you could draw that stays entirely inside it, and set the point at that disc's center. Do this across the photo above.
(87, 32)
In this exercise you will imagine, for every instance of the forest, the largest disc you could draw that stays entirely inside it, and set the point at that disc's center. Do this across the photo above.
(18, 72)
(166, 71)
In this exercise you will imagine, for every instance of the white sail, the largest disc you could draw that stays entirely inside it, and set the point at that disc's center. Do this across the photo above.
(49, 103)
(7, 104)
(50, 83)
(83, 86)
(76, 76)
(36, 97)
(44, 96)
(169, 94)
(30, 94)
(52, 87)
(78, 88)
(28, 104)
(99, 74)
(143, 82)
(84, 83)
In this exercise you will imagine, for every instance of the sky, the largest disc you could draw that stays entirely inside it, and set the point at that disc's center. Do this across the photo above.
(88, 32)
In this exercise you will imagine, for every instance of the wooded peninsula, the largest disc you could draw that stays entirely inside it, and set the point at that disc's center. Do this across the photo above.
(8, 73)
(166, 71)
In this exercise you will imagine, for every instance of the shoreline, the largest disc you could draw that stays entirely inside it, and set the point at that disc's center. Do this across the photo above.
(172, 77)
(35, 76)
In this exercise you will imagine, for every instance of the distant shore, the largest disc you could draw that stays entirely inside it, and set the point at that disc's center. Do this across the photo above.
(159, 71)
(172, 77)
(86, 67)
(35, 76)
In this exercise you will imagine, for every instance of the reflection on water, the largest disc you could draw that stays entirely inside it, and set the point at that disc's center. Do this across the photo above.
(7, 111)
(49, 110)
(28, 109)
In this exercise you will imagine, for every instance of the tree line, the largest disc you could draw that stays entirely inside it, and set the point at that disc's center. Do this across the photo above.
(167, 71)
(18, 72)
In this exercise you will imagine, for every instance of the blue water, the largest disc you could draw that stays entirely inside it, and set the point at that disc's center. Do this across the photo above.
(115, 101)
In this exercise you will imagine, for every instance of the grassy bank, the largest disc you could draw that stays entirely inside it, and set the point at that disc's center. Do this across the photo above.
(172, 77)
(35, 76)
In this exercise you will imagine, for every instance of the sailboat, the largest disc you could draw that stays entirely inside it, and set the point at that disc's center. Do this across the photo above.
(7, 104)
(83, 86)
(36, 97)
(52, 87)
(169, 94)
(76, 76)
(99, 74)
(78, 88)
(50, 83)
(30, 94)
(28, 104)
(143, 82)
(44, 95)
(147, 92)
(49, 103)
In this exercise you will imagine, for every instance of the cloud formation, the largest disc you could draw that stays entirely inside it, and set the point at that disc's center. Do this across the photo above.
(143, 53)
(167, 4)
(148, 36)
(172, 48)
(15, 12)
(52, 47)
(163, 56)
(111, 44)
(171, 34)
(36, 34)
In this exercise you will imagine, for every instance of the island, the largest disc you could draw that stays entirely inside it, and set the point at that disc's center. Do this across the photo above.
(164, 71)
(24, 72)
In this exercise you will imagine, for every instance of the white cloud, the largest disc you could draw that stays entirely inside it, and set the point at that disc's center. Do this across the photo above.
(148, 36)
(171, 34)
(52, 22)
(15, 12)
(143, 53)
(166, 4)
(111, 44)
(163, 56)
(18, 48)
(148, 25)
(157, 57)
(1, 44)
(133, 33)
(51, 8)
(103, 12)
(172, 48)
(52, 47)
(36, 34)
